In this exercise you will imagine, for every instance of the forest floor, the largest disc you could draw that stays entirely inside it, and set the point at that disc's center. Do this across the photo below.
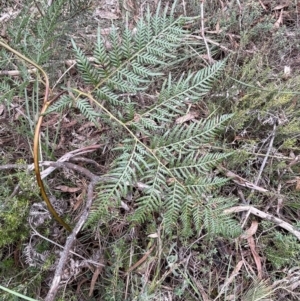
(260, 86)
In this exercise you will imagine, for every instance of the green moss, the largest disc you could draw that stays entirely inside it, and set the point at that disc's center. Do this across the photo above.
(13, 220)
(14, 210)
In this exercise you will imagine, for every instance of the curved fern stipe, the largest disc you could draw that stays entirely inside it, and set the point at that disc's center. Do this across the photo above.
(46, 104)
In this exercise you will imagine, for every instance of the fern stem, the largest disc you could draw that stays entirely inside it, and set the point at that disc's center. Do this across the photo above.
(46, 104)
(88, 95)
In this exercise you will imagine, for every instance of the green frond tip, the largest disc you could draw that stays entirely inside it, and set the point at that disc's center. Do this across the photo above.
(134, 57)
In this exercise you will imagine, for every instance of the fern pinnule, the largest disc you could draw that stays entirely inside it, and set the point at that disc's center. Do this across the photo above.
(216, 221)
(186, 216)
(64, 102)
(89, 73)
(193, 164)
(101, 55)
(115, 53)
(174, 198)
(105, 93)
(197, 186)
(143, 71)
(87, 110)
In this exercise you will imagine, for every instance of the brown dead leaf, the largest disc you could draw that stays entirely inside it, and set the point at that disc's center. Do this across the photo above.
(170, 181)
(86, 125)
(79, 200)
(64, 188)
(128, 5)
(68, 124)
(262, 5)
(281, 6)
(137, 117)
(256, 257)
(279, 20)
(233, 274)
(51, 122)
(96, 274)
(187, 117)
(251, 231)
(295, 180)
(297, 183)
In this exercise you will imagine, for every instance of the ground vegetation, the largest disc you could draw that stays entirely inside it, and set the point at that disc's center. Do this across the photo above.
(149, 150)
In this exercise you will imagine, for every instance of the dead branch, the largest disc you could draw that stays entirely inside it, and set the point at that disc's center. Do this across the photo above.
(35, 232)
(69, 63)
(210, 60)
(279, 222)
(70, 241)
(13, 166)
(212, 42)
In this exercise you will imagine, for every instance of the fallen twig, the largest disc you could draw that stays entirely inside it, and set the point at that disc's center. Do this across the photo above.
(279, 222)
(70, 241)
(212, 42)
(35, 232)
(16, 72)
(267, 155)
(68, 156)
(210, 59)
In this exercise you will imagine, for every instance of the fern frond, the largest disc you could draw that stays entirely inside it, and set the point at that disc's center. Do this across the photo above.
(172, 162)
(101, 55)
(115, 54)
(90, 74)
(216, 222)
(174, 96)
(63, 103)
(151, 199)
(187, 209)
(186, 138)
(175, 197)
(87, 110)
(133, 58)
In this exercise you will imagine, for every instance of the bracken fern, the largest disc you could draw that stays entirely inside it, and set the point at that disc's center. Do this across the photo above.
(167, 163)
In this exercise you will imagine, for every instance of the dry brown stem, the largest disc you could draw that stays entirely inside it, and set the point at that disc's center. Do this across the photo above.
(72, 237)
(279, 222)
